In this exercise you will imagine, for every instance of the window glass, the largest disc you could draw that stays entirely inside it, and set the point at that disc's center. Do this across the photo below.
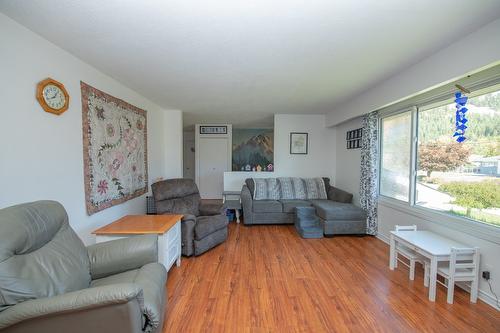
(461, 178)
(396, 152)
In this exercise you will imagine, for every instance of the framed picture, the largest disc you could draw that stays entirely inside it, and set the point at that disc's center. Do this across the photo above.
(353, 138)
(253, 149)
(298, 143)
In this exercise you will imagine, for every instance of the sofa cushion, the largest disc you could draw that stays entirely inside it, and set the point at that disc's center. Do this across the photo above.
(326, 180)
(290, 205)
(267, 206)
(292, 188)
(205, 225)
(315, 188)
(288, 190)
(332, 210)
(266, 189)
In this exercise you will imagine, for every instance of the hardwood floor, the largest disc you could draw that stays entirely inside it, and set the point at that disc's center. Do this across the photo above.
(268, 279)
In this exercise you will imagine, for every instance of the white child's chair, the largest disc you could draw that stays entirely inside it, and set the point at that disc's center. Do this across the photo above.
(464, 266)
(409, 254)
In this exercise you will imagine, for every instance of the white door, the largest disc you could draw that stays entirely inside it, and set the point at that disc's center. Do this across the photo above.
(188, 159)
(213, 162)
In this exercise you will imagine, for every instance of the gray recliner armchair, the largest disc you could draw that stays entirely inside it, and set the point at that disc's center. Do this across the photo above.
(203, 226)
(51, 282)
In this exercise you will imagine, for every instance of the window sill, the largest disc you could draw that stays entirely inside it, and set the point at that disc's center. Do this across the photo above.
(476, 229)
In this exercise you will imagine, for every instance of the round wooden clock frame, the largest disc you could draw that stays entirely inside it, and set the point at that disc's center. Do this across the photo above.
(41, 100)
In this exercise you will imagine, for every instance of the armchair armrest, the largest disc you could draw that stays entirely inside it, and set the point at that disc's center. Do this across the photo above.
(77, 303)
(209, 209)
(187, 234)
(121, 255)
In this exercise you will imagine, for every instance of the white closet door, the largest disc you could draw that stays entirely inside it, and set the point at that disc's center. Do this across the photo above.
(213, 162)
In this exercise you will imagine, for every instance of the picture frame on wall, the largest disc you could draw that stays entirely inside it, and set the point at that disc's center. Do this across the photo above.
(299, 143)
(213, 129)
(353, 138)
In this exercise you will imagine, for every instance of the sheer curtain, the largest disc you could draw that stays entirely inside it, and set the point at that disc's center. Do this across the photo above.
(368, 190)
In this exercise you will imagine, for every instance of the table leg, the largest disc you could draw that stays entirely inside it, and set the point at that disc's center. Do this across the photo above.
(392, 253)
(432, 279)
(237, 213)
(426, 274)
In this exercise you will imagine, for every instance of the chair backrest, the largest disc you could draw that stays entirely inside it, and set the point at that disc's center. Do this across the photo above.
(406, 228)
(179, 196)
(464, 259)
(40, 255)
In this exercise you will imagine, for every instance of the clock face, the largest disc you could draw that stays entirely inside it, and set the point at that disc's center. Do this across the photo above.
(54, 96)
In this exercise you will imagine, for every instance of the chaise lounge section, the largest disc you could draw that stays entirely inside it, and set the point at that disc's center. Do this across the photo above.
(337, 215)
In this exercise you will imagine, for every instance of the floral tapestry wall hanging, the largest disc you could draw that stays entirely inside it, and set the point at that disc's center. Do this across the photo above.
(114, 150)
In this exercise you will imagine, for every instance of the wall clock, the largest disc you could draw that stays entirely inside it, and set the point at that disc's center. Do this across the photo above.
(52, 96)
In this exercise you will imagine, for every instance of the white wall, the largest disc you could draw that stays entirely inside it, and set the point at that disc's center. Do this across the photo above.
(347, 161)
(188, 155)
(469, 53)
(319, 162)
(42, 154)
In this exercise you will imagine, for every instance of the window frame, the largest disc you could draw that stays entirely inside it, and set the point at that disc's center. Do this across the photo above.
(380, 149)
(463, 224)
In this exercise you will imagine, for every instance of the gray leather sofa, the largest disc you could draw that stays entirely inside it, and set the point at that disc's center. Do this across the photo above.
(337, 214)
(203, 226)
(51, 282)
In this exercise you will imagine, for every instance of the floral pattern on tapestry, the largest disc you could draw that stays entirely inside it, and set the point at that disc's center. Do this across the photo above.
(114, 150)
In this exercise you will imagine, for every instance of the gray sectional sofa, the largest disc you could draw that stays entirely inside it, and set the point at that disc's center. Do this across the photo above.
(336, 212)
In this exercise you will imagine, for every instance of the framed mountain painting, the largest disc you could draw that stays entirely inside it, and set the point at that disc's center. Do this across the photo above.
(253, 149)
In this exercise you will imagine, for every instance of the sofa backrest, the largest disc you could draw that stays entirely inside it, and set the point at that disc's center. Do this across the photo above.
(179, 196)
(288, 188)
(40, 255)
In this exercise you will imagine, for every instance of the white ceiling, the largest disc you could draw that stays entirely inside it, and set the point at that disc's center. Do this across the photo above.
(239, 61)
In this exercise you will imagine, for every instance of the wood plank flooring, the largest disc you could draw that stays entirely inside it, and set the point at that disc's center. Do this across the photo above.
(268, 279)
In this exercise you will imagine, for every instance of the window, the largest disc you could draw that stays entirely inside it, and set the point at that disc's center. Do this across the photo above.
(395, 164)
(461, 179)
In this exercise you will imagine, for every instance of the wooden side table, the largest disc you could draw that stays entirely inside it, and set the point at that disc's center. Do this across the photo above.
(168, 228)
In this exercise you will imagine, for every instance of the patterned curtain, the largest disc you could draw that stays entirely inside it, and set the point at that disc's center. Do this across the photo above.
(368, 189)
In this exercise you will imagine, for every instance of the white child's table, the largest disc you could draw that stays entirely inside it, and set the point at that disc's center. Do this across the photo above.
(430, 245)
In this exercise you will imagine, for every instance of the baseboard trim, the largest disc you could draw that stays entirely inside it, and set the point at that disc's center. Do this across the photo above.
(482, 295)
(383, 238)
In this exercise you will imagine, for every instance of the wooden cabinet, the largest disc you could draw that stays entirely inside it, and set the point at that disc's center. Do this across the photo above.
(167, 227)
